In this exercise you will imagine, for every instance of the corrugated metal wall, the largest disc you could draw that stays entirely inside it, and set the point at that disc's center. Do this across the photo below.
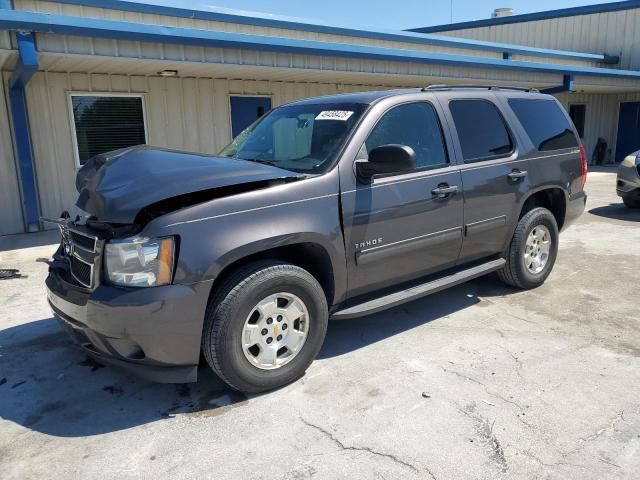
(183, 113)
(601, 117)
(10, 204)
(615, 33)
(106, 47)
(5, 40)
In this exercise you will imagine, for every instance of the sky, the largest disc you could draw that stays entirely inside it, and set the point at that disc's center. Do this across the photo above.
(380, 14)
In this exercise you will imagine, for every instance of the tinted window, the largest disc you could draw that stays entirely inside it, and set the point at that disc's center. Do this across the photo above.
(107, 123)
(415, 125)
(481, 129)
(578, 114)
(545, 123)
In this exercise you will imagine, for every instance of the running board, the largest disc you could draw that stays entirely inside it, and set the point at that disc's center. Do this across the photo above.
(419, 291)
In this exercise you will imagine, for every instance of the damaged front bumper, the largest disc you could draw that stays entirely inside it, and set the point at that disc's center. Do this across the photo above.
(153, 333)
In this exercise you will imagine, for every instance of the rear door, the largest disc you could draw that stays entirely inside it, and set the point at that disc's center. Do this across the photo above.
(494, 177)
(399, 227)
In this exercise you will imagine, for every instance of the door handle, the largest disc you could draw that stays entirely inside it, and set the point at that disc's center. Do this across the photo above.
(444, 190)
(517, 174)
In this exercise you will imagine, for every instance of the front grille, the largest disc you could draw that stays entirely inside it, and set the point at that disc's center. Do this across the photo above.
(81, 271)
(83, 241)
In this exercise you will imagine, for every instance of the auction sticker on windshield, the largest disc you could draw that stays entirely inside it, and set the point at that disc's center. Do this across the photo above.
(343, 115)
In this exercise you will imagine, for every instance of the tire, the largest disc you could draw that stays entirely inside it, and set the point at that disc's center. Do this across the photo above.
(233, 306)
(515, 272)
(632, 201)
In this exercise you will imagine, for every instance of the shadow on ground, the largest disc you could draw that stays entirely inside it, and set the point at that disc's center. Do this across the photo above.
(48, 385)
(30, 240)
(617, 211)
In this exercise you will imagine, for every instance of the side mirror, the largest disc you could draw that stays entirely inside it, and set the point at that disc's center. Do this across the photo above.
(387, 159)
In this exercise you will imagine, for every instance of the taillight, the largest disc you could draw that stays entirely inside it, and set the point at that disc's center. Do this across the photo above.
(583, 158)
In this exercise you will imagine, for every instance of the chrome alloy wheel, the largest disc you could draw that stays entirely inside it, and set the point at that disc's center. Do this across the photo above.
(537, 249)
(275, 331)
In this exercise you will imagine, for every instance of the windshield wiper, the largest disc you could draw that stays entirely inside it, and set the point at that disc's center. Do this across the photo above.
(257, 160)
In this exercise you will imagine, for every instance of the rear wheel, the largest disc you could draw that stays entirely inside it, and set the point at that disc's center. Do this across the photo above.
(532, 251)
(264, 326)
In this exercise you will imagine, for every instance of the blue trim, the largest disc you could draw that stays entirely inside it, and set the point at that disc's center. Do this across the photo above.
(26, 67)
(530, 17)
(265, 20)
(88, 27)
(6, 4)
(568, 85)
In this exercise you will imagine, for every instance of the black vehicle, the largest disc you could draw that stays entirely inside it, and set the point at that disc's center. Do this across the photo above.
(331, 207)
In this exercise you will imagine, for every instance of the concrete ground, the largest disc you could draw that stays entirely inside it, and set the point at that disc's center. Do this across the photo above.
(479, 382)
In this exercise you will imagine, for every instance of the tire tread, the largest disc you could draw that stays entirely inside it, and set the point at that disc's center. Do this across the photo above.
(509, 272)
(227, 293)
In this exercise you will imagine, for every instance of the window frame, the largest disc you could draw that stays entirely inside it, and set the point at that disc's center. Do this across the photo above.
(584, 125)
(74, 134)
(439, 118)
(509, 130)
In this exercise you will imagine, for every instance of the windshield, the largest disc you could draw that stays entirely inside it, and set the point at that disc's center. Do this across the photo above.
(301, 138)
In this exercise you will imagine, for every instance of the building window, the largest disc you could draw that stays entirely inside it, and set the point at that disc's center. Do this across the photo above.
(105, 122)
(578, 114)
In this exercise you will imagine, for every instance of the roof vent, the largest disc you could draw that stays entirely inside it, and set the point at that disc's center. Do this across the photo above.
(502, 12)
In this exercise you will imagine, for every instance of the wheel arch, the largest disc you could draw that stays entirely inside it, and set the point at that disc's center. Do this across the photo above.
(553, 199)
(308, 254)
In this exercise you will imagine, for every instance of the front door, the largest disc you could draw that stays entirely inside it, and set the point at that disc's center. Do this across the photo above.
(401, 227)
(628, 130)
(246, 110)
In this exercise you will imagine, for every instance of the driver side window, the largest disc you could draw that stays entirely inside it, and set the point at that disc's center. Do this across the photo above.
(415, 125)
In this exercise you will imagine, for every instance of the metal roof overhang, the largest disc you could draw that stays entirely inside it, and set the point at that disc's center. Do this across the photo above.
(119, 30)
(93, 64)
(217, 14)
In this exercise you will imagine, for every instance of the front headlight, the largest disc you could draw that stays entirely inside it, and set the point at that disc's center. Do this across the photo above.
(139, 261)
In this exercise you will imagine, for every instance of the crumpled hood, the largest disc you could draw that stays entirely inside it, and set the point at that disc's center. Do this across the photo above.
(115, 186)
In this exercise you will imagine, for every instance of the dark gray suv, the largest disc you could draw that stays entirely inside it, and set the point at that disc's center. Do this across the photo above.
(331, 207)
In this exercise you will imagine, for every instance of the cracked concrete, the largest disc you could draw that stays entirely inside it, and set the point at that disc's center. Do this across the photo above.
(519, 385)
(369, 450)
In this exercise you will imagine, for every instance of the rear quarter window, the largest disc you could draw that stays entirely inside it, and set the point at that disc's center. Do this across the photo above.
(545, 123)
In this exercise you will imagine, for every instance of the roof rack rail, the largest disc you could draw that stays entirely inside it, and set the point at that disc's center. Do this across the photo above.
(430, 88)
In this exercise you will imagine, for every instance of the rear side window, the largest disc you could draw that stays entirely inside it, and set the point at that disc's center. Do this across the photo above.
(481, 129)
(545, 123)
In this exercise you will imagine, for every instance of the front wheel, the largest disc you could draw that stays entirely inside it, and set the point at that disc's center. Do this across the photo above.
(264, 326)
(532, 251)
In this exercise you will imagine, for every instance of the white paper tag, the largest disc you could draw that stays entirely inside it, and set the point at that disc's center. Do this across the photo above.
(343, 115)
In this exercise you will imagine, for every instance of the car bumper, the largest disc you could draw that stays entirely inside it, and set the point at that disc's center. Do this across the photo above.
(628, 179)
(153, 333)
(575, 207)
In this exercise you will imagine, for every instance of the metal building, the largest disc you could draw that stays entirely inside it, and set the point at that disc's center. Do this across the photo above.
(84, 76)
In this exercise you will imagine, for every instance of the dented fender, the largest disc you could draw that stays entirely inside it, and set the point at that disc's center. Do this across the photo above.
(215, 234)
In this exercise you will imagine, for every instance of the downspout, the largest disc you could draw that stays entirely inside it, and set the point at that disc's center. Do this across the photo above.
(26, 67)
